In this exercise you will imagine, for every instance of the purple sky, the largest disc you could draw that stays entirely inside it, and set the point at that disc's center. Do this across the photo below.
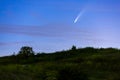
(48, 25)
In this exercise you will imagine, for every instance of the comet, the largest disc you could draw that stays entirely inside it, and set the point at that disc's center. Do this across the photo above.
(78, 16)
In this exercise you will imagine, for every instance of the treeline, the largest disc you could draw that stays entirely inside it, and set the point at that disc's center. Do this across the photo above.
(26, 55)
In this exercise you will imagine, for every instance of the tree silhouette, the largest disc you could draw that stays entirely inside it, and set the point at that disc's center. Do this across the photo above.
(73, 48)
(26, 51)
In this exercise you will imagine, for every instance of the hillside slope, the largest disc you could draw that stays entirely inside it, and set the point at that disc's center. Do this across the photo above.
(74, 64)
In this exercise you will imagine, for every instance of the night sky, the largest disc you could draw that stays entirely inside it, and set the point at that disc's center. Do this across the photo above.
(49, 25)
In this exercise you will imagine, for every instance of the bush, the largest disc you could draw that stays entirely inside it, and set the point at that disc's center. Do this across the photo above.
(71, 73)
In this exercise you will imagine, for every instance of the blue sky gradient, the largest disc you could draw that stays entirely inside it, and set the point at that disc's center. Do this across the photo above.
(48, 25)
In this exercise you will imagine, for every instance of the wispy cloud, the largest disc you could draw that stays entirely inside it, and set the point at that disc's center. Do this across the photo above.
(58, 31)
(51, 30)
(13, 43)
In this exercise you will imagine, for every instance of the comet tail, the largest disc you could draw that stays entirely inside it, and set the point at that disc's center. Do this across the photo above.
(79, 15)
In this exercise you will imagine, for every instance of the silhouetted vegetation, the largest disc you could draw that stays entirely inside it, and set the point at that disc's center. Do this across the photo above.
(25, 52)
(75, 64)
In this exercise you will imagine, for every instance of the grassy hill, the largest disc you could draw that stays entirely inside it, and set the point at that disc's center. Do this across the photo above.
(74, 64)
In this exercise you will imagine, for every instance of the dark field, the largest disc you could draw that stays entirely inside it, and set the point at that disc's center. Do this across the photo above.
(74, 64)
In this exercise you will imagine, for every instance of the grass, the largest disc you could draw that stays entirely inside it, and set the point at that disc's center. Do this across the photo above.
(79, 64)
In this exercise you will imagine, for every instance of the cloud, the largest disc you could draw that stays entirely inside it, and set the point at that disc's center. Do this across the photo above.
(13, 43)
(50, 30)
(59, 32)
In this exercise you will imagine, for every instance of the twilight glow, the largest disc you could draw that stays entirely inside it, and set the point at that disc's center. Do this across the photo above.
(47, 25)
